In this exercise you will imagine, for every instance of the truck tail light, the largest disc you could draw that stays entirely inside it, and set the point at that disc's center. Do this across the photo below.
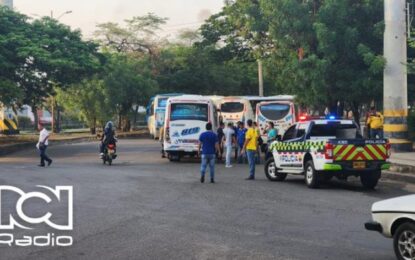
(328, 151)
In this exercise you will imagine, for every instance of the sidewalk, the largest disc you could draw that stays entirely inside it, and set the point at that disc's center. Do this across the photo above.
(402, 168)
(407, 159)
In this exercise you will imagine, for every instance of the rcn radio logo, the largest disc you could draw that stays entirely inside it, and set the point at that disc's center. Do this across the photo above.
(42, 217)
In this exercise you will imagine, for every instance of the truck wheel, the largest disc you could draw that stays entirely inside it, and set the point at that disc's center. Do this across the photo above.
(312, 177)
(404, 241)
(369, 181)
(271, 171)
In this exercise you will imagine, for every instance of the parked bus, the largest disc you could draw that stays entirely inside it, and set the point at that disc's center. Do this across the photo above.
(186, 119)
(235, 109)
(254, 100)
(282, 113)
(157, 112)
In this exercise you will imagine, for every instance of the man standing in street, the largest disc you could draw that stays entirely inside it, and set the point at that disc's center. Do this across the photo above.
(251, 146)
(229, 140)
(220, 137)
(375, 122)
(42, 145)
(209, 143)
(240, 138)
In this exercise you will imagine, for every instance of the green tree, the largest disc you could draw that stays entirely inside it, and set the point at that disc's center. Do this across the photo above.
(13, 28)
(321, 51)
(89, 99)
(128, 81)
(55, 57)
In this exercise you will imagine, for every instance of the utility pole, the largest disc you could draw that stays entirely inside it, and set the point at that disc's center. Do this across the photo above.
(260, 78)
(395, 93)
(54, 103)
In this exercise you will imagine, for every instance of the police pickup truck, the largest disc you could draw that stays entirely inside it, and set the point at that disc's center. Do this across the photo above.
(321, 149)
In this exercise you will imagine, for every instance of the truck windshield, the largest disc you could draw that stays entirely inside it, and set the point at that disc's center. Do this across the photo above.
(275, 111)
(335, 129)
(189, 111)
(232, 107)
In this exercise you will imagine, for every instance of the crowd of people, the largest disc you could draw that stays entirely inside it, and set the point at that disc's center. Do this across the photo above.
(243, 142)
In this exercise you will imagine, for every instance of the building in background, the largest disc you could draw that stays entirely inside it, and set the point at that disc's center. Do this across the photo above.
(8, 3)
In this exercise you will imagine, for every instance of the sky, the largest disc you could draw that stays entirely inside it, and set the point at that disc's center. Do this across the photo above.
(86, 14)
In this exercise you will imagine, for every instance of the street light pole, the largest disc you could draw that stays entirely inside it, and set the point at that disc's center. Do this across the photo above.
(260, 78)
(53, 97)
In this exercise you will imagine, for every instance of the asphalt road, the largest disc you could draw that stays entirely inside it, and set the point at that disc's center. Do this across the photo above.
(144, 207)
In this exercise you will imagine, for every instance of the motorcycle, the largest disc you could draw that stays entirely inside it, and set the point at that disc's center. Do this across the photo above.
(109, 154)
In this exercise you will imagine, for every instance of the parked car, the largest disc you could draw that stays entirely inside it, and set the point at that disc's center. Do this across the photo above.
(395, 218)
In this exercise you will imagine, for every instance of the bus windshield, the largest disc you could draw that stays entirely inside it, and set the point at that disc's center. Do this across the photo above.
(275, 111)
(162, 102)
(232, 107)
(184, 111)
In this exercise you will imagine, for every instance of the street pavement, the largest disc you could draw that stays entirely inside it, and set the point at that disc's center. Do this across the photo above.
(145, 207)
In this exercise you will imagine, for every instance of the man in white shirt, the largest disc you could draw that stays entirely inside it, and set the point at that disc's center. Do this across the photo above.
(42, 145)
(229, 140)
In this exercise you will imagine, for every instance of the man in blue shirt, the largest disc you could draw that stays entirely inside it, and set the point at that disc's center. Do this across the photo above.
(240, 138)
(209, 143)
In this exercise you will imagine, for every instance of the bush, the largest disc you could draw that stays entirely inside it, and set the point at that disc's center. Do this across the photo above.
(24, 123)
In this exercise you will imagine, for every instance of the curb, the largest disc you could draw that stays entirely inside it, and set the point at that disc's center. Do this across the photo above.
(395, 167)
(12, 148)
(397, 176)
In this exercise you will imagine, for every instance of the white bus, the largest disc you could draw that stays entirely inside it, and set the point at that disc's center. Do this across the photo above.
(157, 112)
(235, 109)
(282, 113)
(186, 118)
(254, 100)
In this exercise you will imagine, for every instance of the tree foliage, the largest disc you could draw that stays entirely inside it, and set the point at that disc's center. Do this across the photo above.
(321, 51)
(37, 57)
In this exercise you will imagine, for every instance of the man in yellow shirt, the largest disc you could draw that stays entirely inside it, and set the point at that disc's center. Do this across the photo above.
(251, 146)
(375, 123)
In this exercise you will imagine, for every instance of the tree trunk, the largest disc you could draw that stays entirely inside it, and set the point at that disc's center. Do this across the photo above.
(36, 117)
(58, 119)
(93, 127)
(119, 121)
(135, 117)
(356, 113)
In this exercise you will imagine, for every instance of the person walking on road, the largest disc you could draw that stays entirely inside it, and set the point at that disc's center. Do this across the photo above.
(209, 144)
(240, 139)
(260, 142)
(161, 140)
(375, 122)
(42, 145)
(229, 140)
(220, 137)
(251, 147)
(271, 132)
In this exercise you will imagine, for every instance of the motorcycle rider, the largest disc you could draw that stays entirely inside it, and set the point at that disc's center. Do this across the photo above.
(108, 137)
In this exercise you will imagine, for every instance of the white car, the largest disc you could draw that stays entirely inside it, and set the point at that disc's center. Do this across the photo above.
(396, 218)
